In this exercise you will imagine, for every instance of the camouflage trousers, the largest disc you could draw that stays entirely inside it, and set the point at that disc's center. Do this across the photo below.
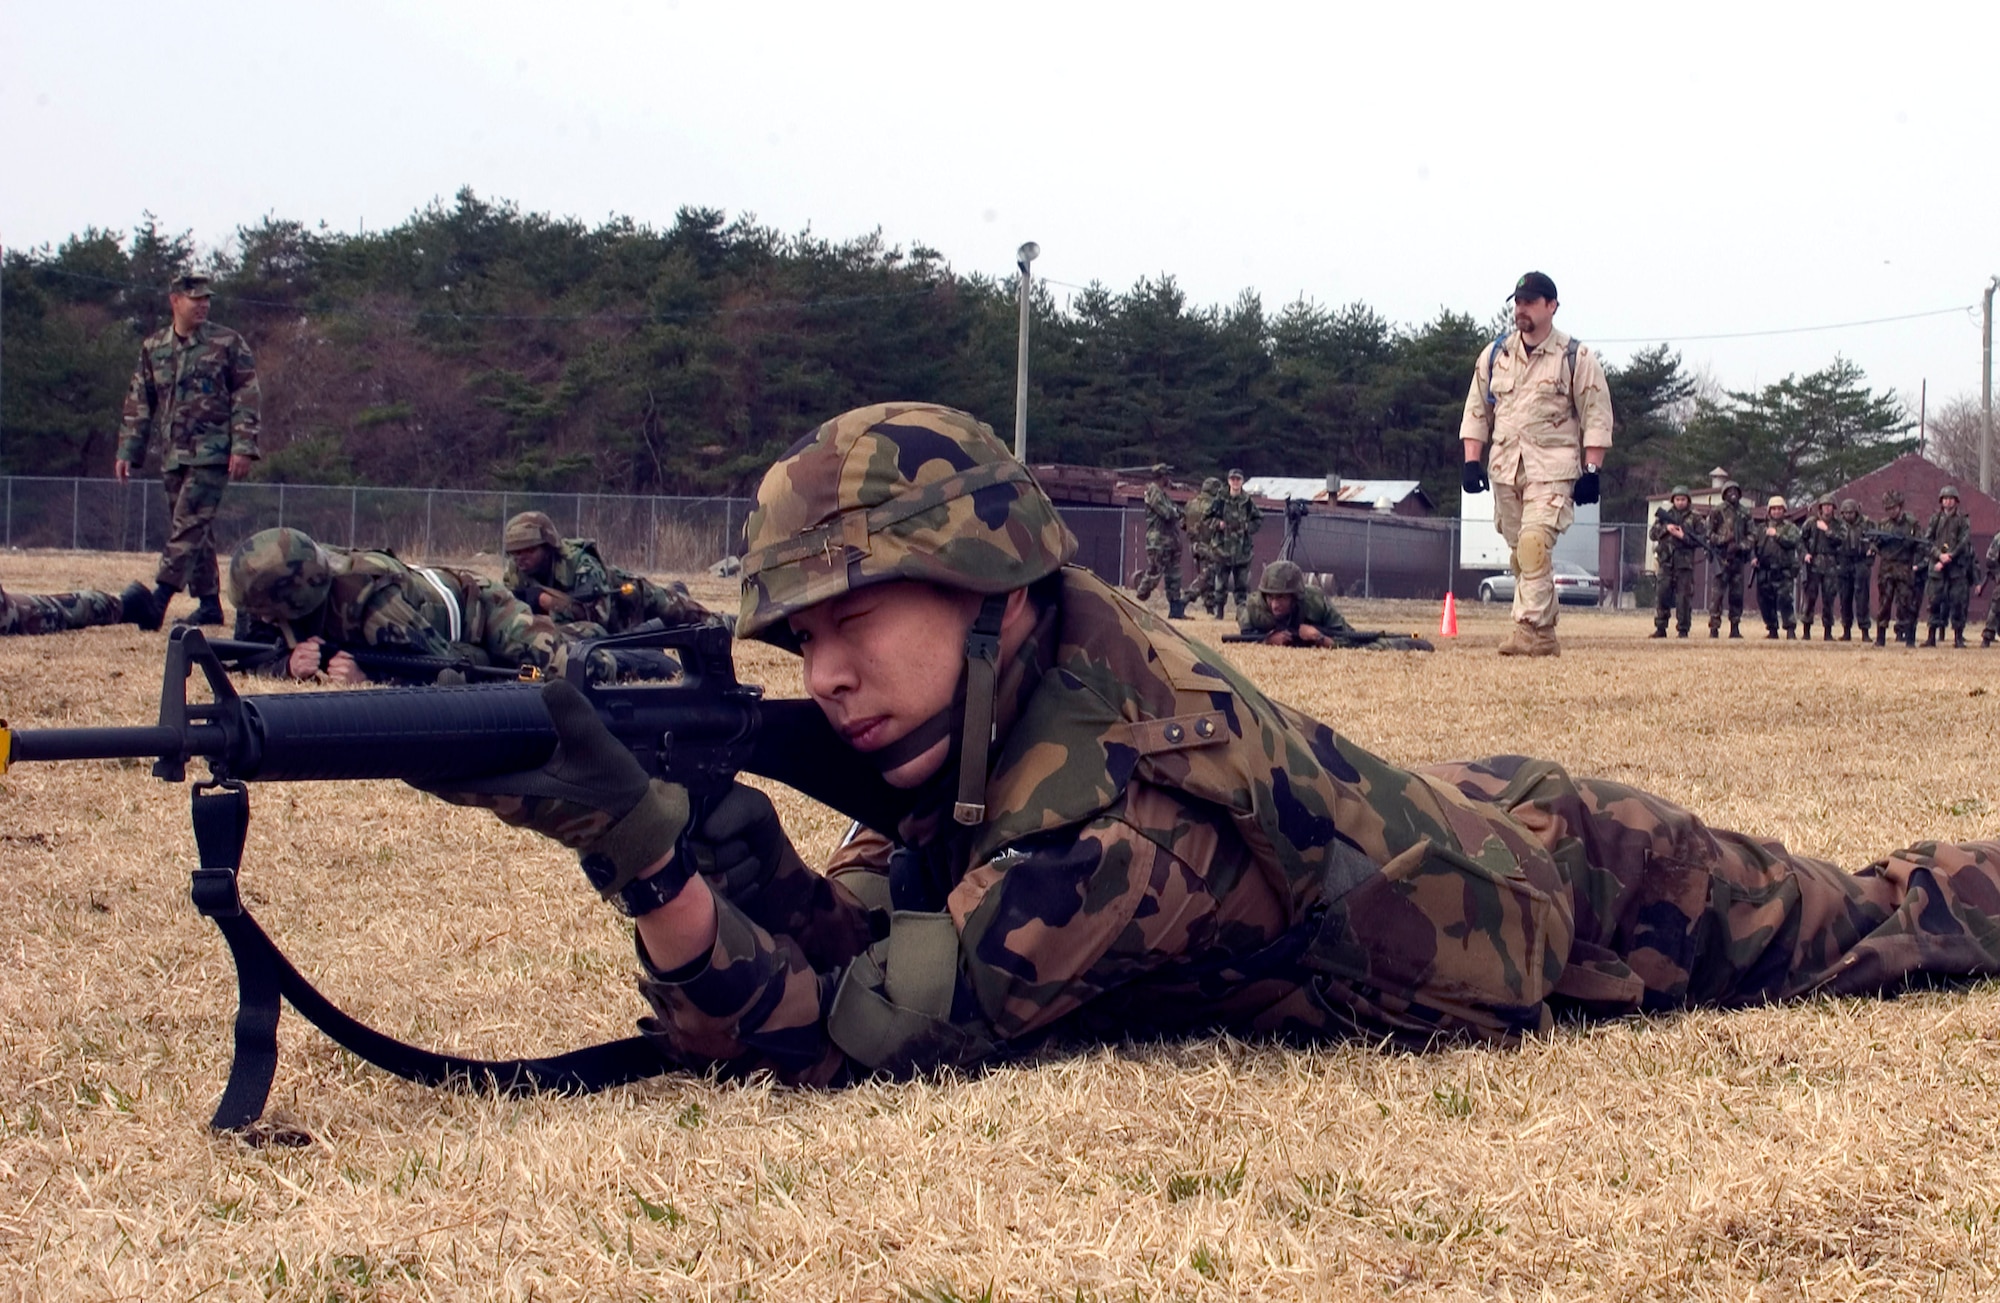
(187, 562)
(1897, 594)
(1816, 590)
(1676, 596)
(500, 626)
(1624, 902)
(669, 603)
(26, 613)
(1203, 589)
(1231, 575)
(1725, 590)
(1950, 597)
(1774, 599)
(1850, 587)
(1163, 561)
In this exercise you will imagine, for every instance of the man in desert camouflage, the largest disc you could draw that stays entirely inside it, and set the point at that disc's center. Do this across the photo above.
(1730, 527)
(1819, 561)
(1899, 542)
(568, 581)
(1110, 832)
(1539, 400)
(1163, 545)
(1677, 545)
(195, 390)
(287, 587)
(30, 613)
(1235, 517)
(1776, 556)
(1948, 585)
(1201, 528)
(1853, 559)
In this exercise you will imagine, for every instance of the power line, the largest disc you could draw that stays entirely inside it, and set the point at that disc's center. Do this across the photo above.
(1784, 330)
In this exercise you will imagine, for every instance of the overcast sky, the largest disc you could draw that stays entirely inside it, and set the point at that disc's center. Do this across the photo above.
(1681, 170)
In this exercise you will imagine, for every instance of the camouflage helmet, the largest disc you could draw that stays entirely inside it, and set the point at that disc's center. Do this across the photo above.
(1282, 577)
(1824, 500)
(894, 491)
(1211, 485)
(279, 574)
(1731, 486)
(1849, 504)
(1948, 491)
(529, 529)
(1680, 491)
(1777, 500)
(1892, 497)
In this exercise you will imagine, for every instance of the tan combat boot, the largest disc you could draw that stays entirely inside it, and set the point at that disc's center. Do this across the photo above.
(1546, 644)
(1520, 641)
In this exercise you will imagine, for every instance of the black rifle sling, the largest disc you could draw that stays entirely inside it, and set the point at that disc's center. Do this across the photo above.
(263, 975)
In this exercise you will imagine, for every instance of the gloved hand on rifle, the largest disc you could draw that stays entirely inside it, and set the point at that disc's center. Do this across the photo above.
(593, 797)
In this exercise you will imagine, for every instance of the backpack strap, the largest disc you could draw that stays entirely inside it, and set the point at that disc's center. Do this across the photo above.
(1492, 356)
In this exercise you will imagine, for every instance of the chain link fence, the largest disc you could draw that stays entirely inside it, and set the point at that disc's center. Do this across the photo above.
(1355, 554)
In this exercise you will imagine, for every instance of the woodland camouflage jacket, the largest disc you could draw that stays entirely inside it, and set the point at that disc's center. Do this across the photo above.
(199, 396)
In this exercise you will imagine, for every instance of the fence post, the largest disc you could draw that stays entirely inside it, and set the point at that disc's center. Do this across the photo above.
(1367, 558)
(75, 512)
(652, 531)
(10, 511)
(579, 515)
(503, 522)
(728, 527)
(430, 497)
(353, 510)
(145, 515)
(281, 504)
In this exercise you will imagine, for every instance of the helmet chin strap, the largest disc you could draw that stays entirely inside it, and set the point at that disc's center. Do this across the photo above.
(973, 703)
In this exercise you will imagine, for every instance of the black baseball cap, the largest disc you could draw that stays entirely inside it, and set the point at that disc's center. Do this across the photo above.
(1535, 285)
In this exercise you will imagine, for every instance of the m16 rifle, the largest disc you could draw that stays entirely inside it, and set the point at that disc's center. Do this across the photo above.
(1693, 534)
(699, 730)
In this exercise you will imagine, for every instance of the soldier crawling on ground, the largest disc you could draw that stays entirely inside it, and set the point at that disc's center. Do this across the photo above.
(567, 580)
(30, 613)
(1289, 612)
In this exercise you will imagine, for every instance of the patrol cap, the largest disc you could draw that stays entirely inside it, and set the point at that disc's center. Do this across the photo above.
(1777, 500)
(529, 529)
(1535, 285)
(1235, 473)
(194, 285)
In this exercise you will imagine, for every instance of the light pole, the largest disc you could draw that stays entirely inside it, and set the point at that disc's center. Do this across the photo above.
(1024, 255)
(1986, 394)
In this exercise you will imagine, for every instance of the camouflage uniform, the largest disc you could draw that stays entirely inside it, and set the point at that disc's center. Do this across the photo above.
(295, 589)
(1991, 569)
(590, 596)
(1948, 584)
(1164, 849)
(1730, 528)
(199, 396)
(1776, 556)
(1676, 557)
(1852, 561)
(1163, 546)
(1201, 528)
(1236, 516)
(1819, 551)
(1898, 580)
(27, 613)
(1310, 606)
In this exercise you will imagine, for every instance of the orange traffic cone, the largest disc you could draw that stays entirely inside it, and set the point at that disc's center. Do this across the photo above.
(1448, 626)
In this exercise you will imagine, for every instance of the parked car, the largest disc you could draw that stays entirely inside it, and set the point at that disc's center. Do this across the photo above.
(1575, 586)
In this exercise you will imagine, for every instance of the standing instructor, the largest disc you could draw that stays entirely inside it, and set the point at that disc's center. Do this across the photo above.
(1539, 398)
(195, 388)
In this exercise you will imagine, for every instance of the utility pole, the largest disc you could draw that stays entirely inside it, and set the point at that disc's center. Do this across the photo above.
(1986, 393)
(1024, 255)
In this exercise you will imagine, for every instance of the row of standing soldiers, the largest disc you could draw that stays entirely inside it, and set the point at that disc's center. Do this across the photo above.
(1221, 532)
(1829, 559)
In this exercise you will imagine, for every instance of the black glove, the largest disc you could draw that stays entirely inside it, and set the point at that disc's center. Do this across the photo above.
(740, 845)
(594, 798)
(1472, 477)
(1587, 489)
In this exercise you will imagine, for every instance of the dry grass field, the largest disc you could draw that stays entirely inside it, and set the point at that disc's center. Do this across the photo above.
(1831, 1150)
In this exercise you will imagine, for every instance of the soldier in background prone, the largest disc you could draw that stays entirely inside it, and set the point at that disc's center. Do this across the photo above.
(1286, 611)
(287, 587)
(196, 389)
(566, 580)
(30, 613)
(1677, 543)
(1163, 545)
